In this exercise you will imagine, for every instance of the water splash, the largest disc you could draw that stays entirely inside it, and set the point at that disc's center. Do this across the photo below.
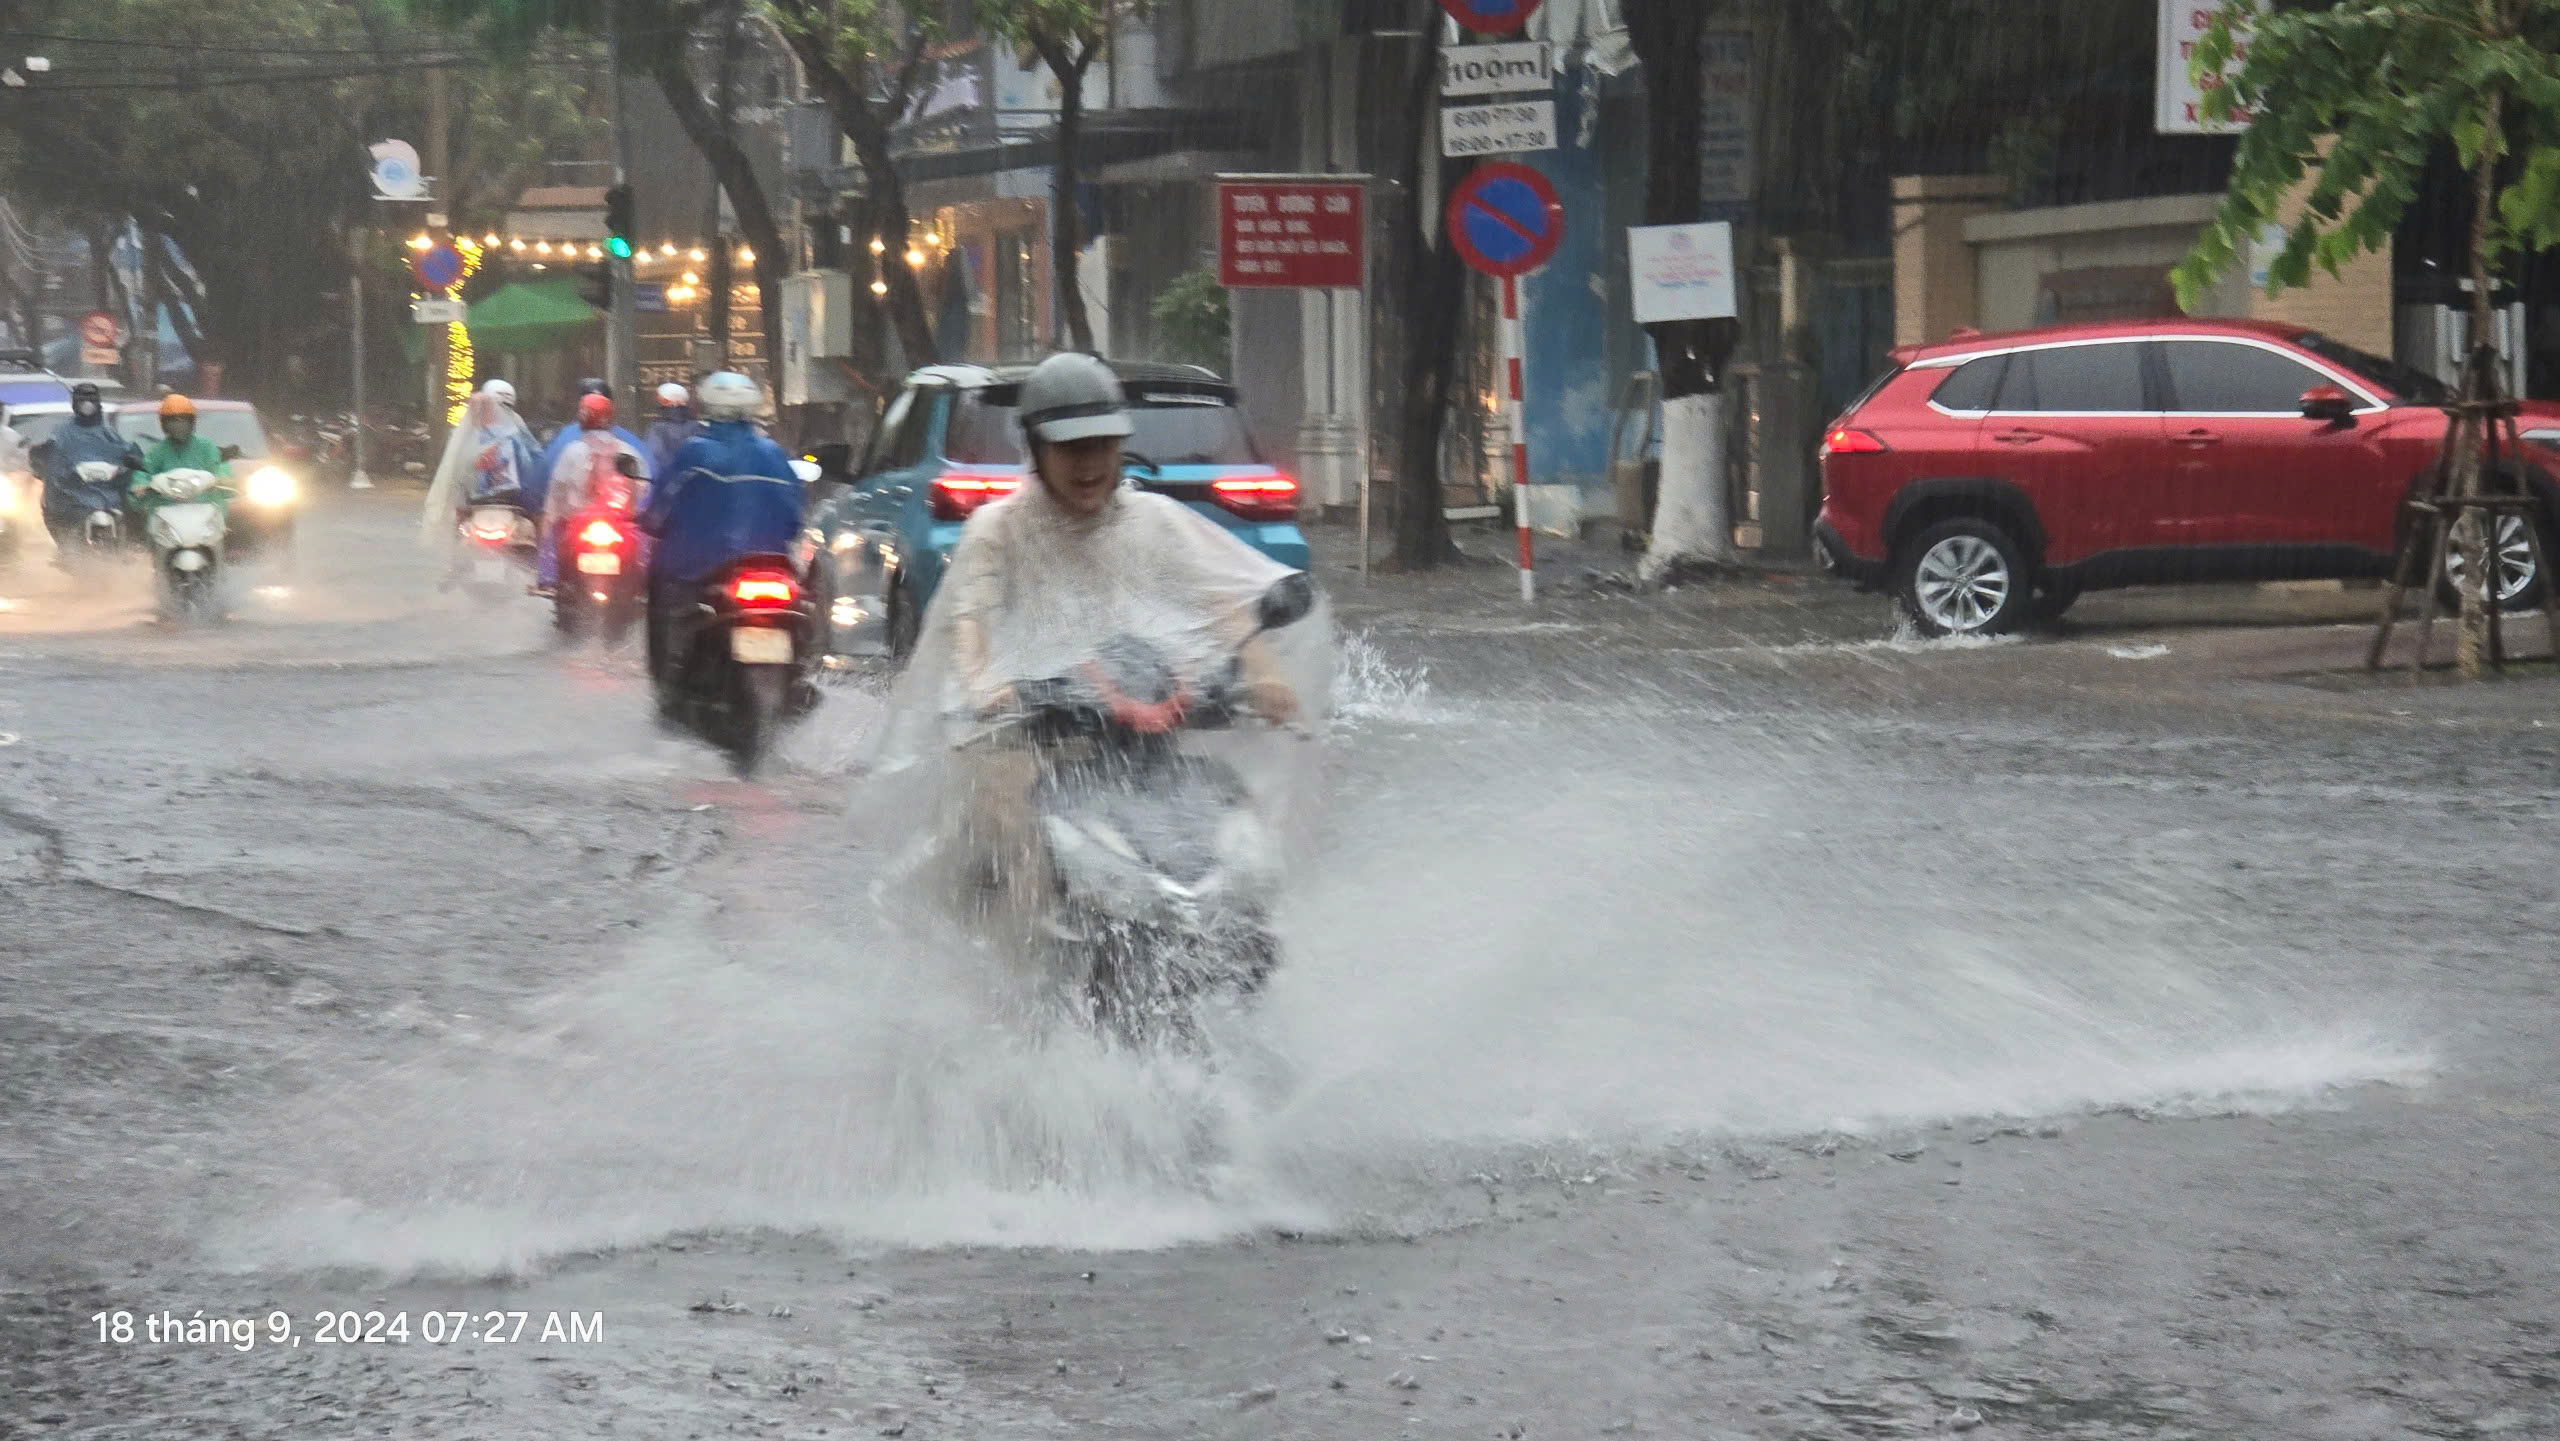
(1369, 687)
(1746, 934)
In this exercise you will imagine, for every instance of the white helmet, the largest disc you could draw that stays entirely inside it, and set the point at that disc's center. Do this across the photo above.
(806, 469)
(673, 394)
(501, 392)
(1073, 396)
(730, 396)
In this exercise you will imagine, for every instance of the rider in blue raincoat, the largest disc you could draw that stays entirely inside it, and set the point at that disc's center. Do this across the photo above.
(730, 493)
(675, 424)
(87, 435)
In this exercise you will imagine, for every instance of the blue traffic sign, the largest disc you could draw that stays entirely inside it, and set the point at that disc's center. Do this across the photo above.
(439, 268)
(1506, 219)
(1491, 17)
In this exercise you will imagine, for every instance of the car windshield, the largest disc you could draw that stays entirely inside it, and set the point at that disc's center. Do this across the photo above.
(1170, 427)
(222, 427)
(2410, 384)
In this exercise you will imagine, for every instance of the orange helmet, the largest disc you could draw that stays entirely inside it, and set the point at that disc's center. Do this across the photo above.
(595, 412)
(176, 405)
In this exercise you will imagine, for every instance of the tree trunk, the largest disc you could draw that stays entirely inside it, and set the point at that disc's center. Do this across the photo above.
(1065, 246)
(863, 123)
(737, 177)
(1693, 513)
(721, 268)
(2479, 386)
(1433, 286)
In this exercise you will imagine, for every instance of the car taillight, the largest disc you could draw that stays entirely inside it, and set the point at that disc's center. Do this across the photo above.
(958, 493)
(600, 534)
(1261, 497)
(1844, 441)
(763, 589)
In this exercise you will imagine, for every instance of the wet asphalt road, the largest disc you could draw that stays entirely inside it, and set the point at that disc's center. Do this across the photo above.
(1706, 1018)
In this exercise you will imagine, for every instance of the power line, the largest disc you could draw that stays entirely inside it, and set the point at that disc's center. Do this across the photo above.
(183, 81)
(16, 38)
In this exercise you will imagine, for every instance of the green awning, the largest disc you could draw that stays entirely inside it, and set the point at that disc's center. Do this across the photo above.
(532, 315)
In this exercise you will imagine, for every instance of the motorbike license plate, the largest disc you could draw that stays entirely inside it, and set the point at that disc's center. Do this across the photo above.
(490, 571)
(760, 645)
(599, 562)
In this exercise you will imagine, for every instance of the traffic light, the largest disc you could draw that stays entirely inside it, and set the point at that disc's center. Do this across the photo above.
(595, 284)
(619, 223)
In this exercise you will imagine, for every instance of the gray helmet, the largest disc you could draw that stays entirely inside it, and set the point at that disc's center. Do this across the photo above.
(1073, 396)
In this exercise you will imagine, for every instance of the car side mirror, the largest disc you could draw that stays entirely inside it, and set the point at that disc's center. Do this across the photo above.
(2328, 404)
(231, 452)
(1286, 602)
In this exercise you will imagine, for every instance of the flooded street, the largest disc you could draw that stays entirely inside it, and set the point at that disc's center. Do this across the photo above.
(1700, 1018)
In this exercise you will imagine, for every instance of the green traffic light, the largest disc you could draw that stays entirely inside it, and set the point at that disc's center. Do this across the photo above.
(618, 246)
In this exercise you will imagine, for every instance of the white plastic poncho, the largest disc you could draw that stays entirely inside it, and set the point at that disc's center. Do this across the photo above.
(582, 461)
(482, 454)
(1042, 591)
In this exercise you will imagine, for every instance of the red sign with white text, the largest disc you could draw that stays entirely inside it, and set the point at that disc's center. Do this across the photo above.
(1291, 233)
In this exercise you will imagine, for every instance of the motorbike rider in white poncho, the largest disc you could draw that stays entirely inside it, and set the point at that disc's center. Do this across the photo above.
(1041, 580)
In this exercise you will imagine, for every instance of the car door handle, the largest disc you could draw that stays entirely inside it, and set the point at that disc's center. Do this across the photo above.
(2200, 436)
(2018, 437)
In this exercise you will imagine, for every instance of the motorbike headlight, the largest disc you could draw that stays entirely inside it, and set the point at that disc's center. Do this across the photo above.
(271, 486)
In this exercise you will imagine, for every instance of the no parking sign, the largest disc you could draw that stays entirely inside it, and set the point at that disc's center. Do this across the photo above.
(1506, 219)
(1491, 17)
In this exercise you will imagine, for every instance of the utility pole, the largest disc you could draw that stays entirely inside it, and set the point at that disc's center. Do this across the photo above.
(439, 162)
(621, 359)
(356, 478)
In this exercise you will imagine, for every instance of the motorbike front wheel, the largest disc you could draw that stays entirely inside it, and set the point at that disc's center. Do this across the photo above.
(192, 596)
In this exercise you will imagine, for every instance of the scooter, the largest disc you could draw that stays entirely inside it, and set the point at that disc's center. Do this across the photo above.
(731, 667)
(497, 551)
(186, 513)
(102, 532)
(1162, 871)
(603, 575)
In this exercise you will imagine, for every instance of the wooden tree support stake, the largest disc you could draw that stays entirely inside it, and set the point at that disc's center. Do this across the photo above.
(2440, 502)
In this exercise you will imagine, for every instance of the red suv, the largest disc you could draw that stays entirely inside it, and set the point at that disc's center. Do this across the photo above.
(1989, 479)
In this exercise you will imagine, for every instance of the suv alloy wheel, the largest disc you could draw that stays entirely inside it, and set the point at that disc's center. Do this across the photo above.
(1963, 576)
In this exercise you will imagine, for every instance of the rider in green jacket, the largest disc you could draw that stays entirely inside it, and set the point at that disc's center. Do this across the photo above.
(179, 447)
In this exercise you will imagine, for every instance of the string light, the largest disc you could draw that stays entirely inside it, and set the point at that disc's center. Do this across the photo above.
(915, 257)
(459, 362)
(746, 256)
(879, 287)
(490, 240)
(668, 250)
(697, 255)
(933, 238)
(692, 279)
(516, 244)
(542, 247)
(595, 252)
(878, 245)
(420, 241)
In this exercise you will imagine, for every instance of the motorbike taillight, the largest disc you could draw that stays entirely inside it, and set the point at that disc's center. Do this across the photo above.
(600, 535)
(957, 494)
(764, 589)
(1258, 497)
